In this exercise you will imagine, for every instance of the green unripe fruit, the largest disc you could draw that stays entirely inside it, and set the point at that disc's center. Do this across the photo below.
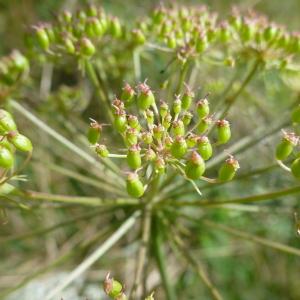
(97, 27)
(179, 147)
(7, 122)
(223, 131)
(115, 27)
(138, 37)
(150, 117)
(270, 33)
(150, 155)
(187, 99)
(94, 132)
(20, 62)
(134, 186)
(286, 146)
(177, 106)
(201, 43)
(159, 165)
(101, 150)
(6, 158)
(127, 94)
(296, 115)
(295, 168)
(131, 136)
(120, 121)
(224, 33)
(147, 137)
(166, 122)
(69, 46)
(191, 140)
(145, 97)
(171, 41)
(228, 169)
(134, 160)
(202, 108)
(6, 144)
(92, 10)
(133, 121)
(178, 128)
(204, 125)
(168, 142)
(20, 141)
(42, 38)
(163, 109)
(187, 118)
(195, 166)
(112, 288)
(86, 47)
(158, 131)
(204, 147)
(247, 31)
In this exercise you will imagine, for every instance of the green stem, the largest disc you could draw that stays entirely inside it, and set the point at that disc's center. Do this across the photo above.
(253, 238)
(249, 199)
(91, 201)
(232, 99)
(161, 259)
(197, 266)
(107, 176)
(49, 229)
(100, 94)
(182, 77)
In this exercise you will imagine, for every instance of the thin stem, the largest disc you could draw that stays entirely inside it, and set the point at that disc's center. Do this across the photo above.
(252, 238)
(65, 142)
(99, 252)
(141, 260)
(137, 64)
(91, 201)
(49, 229)
(161, 260)
(100, 94)
(182, 77)
(85, 179)
(112, 155)
(249, 199)
(232, 99)
(195, 263)
(283, 166)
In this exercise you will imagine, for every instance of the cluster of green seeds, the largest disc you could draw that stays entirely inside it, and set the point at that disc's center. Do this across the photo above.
(196, 29)
(79, 34)
(159, 136)
(11, 140)
(12, 68)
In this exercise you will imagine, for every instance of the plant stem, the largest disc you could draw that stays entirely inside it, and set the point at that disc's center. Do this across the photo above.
(65, 142)
(249, 199)
(182, 76)
(100, 94)
(161, 260)
(49, 229)
(137, 64)
(85, 179)
(196, 264)
(253, 238)
(100, 251)
(232, 99)
(91, 201)
(146, 229)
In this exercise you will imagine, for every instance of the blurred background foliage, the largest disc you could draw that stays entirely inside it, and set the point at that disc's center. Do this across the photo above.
(241, 269)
